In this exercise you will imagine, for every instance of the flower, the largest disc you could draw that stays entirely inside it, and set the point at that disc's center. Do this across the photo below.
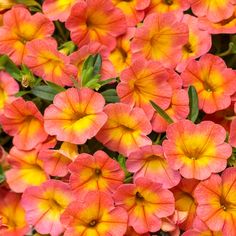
(44, 205)
(95, 215)
(196, 150)
(95, 172)
(19, 28)
(214, 82)
(126, 128)
(23, 120)
(146, 202)
(216, 201)
(75, 115)
(96, 20)
(150, 162)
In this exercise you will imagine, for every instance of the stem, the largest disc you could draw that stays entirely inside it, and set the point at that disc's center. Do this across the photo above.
(227, 52)
(60, 30)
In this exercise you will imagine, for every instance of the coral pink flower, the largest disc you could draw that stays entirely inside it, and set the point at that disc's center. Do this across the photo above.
(125, 130)
(95, 215)
(163, 6)
(216, 201)
(58, 9)
(215, 10)
(78, 58)
(150, 162)
(8, 88)
(133, 10)
(19, 28)
(56, 162)
(12, 215)
(23, 120)
(26, 170)
(96, 20)
(196, 150)
(46, 61)
(199, 42)
(185, 202)
(144, 81)
(214, 82)
(161, 38)
(44, 205)
(146, 202)
(75, 115)
(97, 172)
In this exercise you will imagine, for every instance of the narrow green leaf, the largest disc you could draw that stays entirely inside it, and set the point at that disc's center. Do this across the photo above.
(107, 81)
(56, 87)
(193, 104)
(22, 93)
(97, 63)
(45, 92)
(161, 112)
(110, 96)
(2, 175)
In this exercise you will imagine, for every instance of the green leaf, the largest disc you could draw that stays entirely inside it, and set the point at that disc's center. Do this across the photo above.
(193, 104)
(107, 81)
(2, 175)
(97, 63)
(110, 96)
(161, 112)
(22, 93)
(7, 64)
(45, 92)
(29, 3)
(56, 87)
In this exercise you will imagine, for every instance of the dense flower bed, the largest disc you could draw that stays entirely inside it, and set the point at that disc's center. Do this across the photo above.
(117, 118)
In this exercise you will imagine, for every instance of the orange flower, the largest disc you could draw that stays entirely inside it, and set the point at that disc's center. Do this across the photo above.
(23, 120)
(96, 20)
(125, 130)
(19, 28)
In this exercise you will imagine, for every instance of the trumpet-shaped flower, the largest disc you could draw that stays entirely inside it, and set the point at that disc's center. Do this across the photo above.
(96, 215)
(46, 61)
(150, 162)
(144, 81)
(19, 28)
(126, 129)
(146, 202)
(12, 215)
(23, 120)
(96, 20)
(44, 205)
(58, 9)
(75, 115)
(160, 38)
(196, 150)
(56, 162)
(8, 88)
(214, 82)
(97, 172)
(217, 203)
(26, 170)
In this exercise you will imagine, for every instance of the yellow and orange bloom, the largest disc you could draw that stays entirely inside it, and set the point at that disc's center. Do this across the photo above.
(75, 115)
(6, 4)
(217, 203)
(78, 58)
(96, 20)
(196, 150)
(96, 215)
(144, 81)
(150, 162)
(133, 10)
(23, 120)
(44, 205)
(215, 10)
(12, 215)
(185, 202)
(146, 202)
(214, 82)
(56, 162)
(19, 28)
(126, 129)
(26, 170)
(46, 61)
(58, 9)
(97, 172)
(160, 38)
(199, 42)
(8, 88)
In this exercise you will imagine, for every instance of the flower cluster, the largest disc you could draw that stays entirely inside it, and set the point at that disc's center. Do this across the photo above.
(117, 118)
